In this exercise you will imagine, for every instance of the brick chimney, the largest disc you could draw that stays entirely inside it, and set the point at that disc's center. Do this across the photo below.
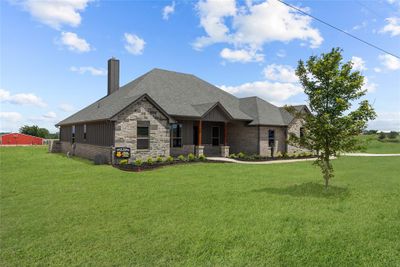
(113, 75)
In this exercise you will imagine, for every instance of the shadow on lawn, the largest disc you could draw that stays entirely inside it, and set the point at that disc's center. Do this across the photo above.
(308, 190)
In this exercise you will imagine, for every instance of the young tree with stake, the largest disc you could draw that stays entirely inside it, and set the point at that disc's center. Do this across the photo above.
(332, 87)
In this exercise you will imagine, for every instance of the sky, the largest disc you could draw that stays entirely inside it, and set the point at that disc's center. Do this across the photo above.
(53, 53)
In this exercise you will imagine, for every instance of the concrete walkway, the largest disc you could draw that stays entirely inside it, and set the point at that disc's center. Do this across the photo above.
(369, 155)
(257, 162)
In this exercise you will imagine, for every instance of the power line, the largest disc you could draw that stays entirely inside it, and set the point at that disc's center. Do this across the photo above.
(338, 29)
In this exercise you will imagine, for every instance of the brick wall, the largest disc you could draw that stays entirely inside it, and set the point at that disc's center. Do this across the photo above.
(294, 127)
(280, 140)
(242, 138)
(86, 151)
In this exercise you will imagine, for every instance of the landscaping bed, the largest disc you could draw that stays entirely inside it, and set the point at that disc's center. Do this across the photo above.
(279, 156)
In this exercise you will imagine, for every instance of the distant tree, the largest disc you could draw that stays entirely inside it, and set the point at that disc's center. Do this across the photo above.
(34, 130)
(393, 135)
(381, 136)
(370, 132)
(332, 87)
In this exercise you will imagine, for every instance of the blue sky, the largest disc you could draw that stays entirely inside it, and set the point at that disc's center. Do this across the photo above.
(54, 53)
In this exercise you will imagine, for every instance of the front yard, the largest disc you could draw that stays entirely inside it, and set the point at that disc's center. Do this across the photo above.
(60, 211)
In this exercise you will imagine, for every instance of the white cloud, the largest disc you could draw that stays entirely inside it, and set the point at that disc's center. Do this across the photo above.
(66, 107)
(74, 42)
(168, 10)
(10, 116)
(281, 53)
(50, 116)
(241, 55)
(55, 13)
(134, 44)
(281, 73)
(369, 86)
(392, 27)
(88, 69)
(253, 24)
(390, 62)
(360, 26)
(21, 99)
(358, 63)
(275, 92)
(377, 70)
(386, 121)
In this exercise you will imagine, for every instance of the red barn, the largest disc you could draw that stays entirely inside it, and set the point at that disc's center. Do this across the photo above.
(20, 139)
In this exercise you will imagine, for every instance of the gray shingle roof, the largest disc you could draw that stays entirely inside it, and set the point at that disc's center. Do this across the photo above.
(179, 94)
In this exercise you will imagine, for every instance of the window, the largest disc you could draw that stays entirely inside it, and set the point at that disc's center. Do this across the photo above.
(176, 135)
(73, 134)
(215, 136)
(143, 137)
(301, 132)
(271, 137)
(84, 132)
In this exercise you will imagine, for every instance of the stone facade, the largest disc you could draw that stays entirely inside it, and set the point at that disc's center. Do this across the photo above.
(86, 151)
(184, 150)
(294, 128)
(126, 130)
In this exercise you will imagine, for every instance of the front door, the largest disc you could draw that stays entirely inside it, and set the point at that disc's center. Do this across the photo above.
(196, 135)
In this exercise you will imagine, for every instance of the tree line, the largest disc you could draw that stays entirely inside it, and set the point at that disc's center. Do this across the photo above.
(35, 130)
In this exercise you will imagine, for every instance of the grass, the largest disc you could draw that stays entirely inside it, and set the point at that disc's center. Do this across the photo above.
(60, 211)
(373, 145)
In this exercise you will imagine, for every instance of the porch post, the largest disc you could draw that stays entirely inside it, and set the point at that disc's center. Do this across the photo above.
(226, 134)
(199, 149)
(200, 133)
(225, 147)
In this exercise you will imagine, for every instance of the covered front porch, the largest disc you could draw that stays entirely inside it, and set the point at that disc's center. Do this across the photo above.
(200, 138)
(207, 135)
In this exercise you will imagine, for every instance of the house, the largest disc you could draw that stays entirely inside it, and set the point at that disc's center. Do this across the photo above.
(20, 139)
(164, 113)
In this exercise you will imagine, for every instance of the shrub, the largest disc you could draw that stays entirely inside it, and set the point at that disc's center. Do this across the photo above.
(191, 157)
(181, 158)
(278, 155)
(240, 155)
(393, 135)
(233, 156)
(285, 155)
(202, 157)
(150, 161)
(381, 136)
(169, 159)
(123, 162)
(159, 159)
(138, 162)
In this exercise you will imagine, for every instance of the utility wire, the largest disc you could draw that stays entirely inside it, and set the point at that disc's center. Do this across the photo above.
(338, 29)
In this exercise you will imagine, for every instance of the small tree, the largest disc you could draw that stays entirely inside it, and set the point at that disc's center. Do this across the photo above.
(331, 87)
(393, 135)
(381, 136)
(34, 130)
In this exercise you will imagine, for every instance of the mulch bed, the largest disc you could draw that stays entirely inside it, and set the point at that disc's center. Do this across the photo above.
(146, 167)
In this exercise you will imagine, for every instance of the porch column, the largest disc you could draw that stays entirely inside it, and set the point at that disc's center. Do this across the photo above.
(225, 147)
(226, 134)
(199, 149)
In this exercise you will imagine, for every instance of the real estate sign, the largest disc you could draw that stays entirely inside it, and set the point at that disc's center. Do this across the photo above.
(122, 152)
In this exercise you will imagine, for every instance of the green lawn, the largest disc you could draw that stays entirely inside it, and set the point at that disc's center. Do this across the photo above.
(372, 145)
(60, 211)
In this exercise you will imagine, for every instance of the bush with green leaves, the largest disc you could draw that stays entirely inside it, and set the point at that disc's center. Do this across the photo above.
(393, 135)
(191, 157)
(381, 136)
(169, 159)
(123, 162)
(181, 158)
(159, 159)
(278, 154)
(233, 156)
(138, 162)
(150, 161)
(240, 155)
(202, 157)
